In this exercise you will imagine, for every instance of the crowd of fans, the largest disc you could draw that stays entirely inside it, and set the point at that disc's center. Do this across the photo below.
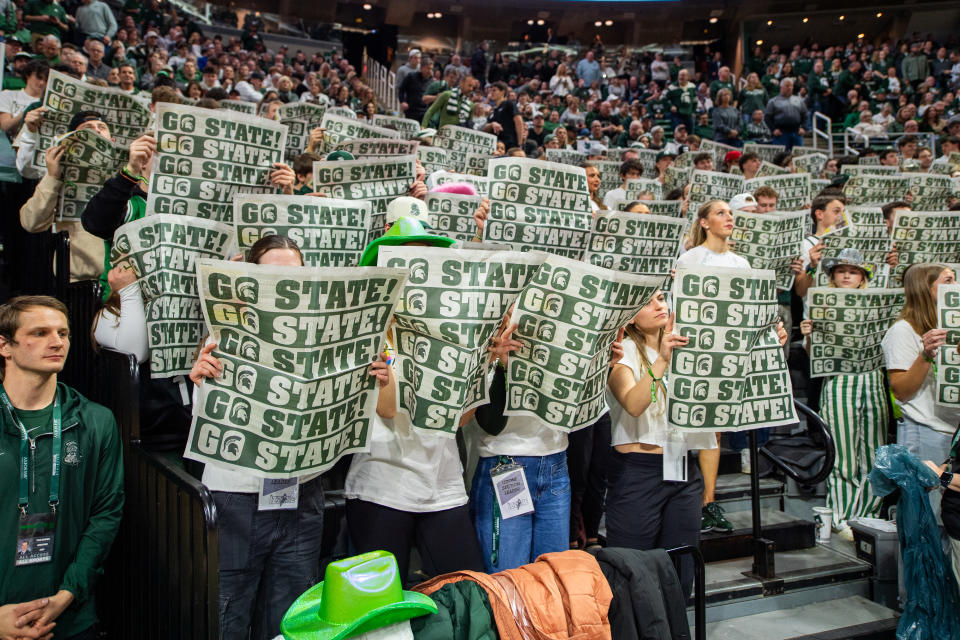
(532, 102)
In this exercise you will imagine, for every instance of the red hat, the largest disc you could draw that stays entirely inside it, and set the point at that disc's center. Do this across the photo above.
(731, 157)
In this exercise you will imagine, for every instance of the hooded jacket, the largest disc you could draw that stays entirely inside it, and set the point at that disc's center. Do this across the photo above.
(88, 515)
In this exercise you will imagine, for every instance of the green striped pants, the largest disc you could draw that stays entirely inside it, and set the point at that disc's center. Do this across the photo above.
(855, 410)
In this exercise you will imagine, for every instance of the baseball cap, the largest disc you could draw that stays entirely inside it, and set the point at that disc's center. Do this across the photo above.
(731, 157)
(665, 154)
(413, 53)
(741, 200)
(151, 34)
(408, 207)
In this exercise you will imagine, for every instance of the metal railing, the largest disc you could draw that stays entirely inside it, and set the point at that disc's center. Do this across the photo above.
(823, 135)
(699, 586)
(383, 82)
(854, 142)
(161, 579)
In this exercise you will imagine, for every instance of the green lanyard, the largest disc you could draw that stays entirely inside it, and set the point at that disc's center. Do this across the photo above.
(26, 445)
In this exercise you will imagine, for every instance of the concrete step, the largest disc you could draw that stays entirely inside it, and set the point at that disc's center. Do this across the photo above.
(848, 617)
(787, 532)
(733, 492)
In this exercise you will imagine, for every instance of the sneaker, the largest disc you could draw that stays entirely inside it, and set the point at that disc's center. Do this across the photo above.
(719, 522)
(745, 461)
(706, 520)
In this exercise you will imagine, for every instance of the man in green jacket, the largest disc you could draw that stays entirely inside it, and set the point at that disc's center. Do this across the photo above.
(451, 107)
(62, 477)
(683, 100)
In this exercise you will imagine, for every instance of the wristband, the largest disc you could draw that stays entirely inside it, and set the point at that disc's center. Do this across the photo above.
(945, 479)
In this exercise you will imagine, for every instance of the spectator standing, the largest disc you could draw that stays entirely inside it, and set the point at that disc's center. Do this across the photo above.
(753, 96)
(505, 122)
(452, 107)
(412, 90)
(412, 64)
(683, 100)
(724, 81)
(70, 496)
(660, 70)
(478, 63)
(785, 115)
(726, 120)
(588, 70)
(915, 66)
(457, 67)
(95, 20)
(45, 18)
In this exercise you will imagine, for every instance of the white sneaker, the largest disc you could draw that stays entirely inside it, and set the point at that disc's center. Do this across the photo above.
(745, 461)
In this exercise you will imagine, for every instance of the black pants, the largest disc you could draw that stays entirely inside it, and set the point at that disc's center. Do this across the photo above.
(644, 512)
(588, 453)
(445, 539)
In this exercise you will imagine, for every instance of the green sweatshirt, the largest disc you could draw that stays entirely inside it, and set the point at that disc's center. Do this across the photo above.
(684, 99)
(88, 516)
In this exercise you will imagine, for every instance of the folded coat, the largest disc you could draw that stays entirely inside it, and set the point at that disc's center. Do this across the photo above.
(560, 596)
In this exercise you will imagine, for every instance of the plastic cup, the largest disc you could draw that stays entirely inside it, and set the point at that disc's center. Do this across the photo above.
(823, 518)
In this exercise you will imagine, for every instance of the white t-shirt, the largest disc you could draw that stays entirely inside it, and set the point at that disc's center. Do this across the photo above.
(700, 255)
(614, 196)
(407, 469)
(901, 346)
(650, 427)
(15, 101)
(523, 436)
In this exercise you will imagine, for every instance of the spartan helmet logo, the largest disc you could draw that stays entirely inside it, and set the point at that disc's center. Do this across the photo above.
(530, 399)
(247, 290)
(184, 167)
(231, 446)
(268, 214)
(540, 355)
(704, 365)
(249, 349)
(71, 173)
(706, 339)
(180, 208)
(187, 124)
(122, 245)
(552, 305)
(536, 378)
(708, 313)
(701, 390)
(830, 300)
(711, 287)
(245, 379)
(698, 415)
(418, 271)
(560, 279)
(240, 412)
(416, 302)
(546, 331)
(421, 349)
(249, 320)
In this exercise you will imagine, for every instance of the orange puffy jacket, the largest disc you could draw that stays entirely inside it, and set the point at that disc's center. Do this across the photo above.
(561, 596)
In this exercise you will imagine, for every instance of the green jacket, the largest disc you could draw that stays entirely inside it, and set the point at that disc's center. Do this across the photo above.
(684, 99)
(716, 86)
(91, 504)
(437, 115)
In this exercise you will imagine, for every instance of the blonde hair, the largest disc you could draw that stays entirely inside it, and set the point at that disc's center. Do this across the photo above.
(920, 309)
(698, 235)
(641, 341)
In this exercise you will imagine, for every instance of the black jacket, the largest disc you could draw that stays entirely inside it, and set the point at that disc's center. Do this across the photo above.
(107, 210)
(648, 603)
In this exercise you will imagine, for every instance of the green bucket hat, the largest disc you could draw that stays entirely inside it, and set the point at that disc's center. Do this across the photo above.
(403, 231)
(357, 595)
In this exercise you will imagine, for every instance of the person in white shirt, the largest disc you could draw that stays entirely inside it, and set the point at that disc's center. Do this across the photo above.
(268, 558)
(629, 169)
(910, 350)
(14, 102)
(251, 89)
(643, 510)
(711, 231)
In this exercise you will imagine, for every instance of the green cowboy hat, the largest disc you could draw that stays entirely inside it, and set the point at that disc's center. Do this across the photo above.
(404, 230)
(357, 595)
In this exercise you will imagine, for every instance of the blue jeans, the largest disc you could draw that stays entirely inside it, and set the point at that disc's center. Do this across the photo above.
(788, 139)
(524, 538)
(741, 439)
(267, 559)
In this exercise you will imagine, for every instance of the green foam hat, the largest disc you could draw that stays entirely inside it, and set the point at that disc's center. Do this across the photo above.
(402, 231)
(357, 595)
(340, 155)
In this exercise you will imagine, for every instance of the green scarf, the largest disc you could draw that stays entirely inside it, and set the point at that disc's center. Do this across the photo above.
(459, 105)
